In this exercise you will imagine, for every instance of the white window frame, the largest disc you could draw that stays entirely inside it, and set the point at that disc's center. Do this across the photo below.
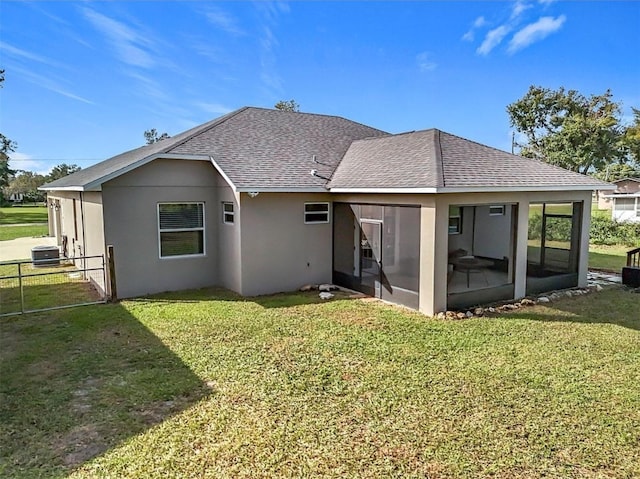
(314, 222)
(226, 213)
(498, 210)
(177, 230)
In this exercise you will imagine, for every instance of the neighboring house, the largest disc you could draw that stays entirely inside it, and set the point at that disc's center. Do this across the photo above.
(16, 197)
(261, 201)
(624, 201)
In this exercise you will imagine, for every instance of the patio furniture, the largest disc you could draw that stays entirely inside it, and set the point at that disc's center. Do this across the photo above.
(471, 264)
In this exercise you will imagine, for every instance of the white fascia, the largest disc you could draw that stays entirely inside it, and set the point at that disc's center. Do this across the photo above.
(317, 189)
(61, 188)
(470, 189)
(223, 174)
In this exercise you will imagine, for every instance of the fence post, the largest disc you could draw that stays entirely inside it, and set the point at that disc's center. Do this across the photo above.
(21, 289)
(112, 273)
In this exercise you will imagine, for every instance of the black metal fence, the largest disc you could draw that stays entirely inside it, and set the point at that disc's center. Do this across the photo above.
(43, 285)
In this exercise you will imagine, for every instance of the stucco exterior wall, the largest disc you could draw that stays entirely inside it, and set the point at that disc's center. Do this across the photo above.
(279, 251)
(131, 226)
(228, 240)
(80, 219)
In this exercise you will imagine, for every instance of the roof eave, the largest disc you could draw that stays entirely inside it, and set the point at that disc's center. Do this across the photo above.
(282, 189)
(61, 188)
(468, 189)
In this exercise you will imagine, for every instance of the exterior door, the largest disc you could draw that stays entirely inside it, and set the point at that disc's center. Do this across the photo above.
(370, 257)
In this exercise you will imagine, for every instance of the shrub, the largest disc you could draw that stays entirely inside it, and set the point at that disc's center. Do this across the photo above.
(606, 231)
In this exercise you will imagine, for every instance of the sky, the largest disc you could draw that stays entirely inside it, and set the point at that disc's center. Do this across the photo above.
(85, 79)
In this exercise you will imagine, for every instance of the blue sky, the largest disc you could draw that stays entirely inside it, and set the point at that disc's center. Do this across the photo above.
(85, 79)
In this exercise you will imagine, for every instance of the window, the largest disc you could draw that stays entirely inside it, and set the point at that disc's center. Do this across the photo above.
(455, 220)
(625, 204)
(181, 229)
(497, 210)
(316, 213)
(228, 216)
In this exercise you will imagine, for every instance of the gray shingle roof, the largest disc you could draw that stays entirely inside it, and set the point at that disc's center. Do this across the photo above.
(256, 148)
(261, 149)
(439, 160)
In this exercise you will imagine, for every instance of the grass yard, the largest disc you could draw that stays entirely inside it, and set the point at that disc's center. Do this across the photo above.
(12, 215)
(206, 384)
(62, 285)
(9, 232)
(610, 258)
(18, 215)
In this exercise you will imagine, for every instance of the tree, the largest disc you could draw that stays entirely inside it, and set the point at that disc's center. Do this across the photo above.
(151, 136)
(27, 183)
(618, 171)
(60, 171)
(287, 105)
(565, 128)
(631, 139)
(6, 147)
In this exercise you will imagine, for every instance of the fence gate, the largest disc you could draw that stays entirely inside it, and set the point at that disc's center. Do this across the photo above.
(43, 285)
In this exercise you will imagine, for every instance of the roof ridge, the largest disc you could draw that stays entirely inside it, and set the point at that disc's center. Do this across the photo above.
(437, 145)
(316, 114)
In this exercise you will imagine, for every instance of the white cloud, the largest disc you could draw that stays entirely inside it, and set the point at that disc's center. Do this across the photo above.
(493, 39)
(22, 161)
(425, 62)
(148, 87)
(132, 48)
(213, 108)
(49, 84)
(534, 32)
(19, 53)
(519, 7)
(222, 20)
(269, 14)
(477, 23)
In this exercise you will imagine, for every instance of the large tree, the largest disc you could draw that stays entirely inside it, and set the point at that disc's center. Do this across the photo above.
(151, 136)
(631, 139)
(60, 171)
(26, 183)
(568, 129)
(6, 147)
(287, 105)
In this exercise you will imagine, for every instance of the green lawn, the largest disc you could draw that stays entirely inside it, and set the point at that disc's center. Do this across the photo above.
(9, 232)
(62, 285)
(611, 258)
(23, 214)
(205, 384)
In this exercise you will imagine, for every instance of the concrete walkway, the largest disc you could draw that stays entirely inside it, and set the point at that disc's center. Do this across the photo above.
(20, 248)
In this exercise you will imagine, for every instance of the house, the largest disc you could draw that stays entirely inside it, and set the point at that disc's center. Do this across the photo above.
(261, 201)
(624, 201)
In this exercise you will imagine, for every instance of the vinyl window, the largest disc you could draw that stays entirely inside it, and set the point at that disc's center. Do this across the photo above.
(316, 213)
(625, 204)
(455, 220)
(181, 229)
(496, 210)
(228, 214)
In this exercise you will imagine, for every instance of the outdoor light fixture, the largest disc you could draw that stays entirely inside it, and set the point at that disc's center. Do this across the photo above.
(253, 194)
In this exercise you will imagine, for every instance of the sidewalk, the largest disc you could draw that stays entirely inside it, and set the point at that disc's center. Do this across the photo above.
(20, 248)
